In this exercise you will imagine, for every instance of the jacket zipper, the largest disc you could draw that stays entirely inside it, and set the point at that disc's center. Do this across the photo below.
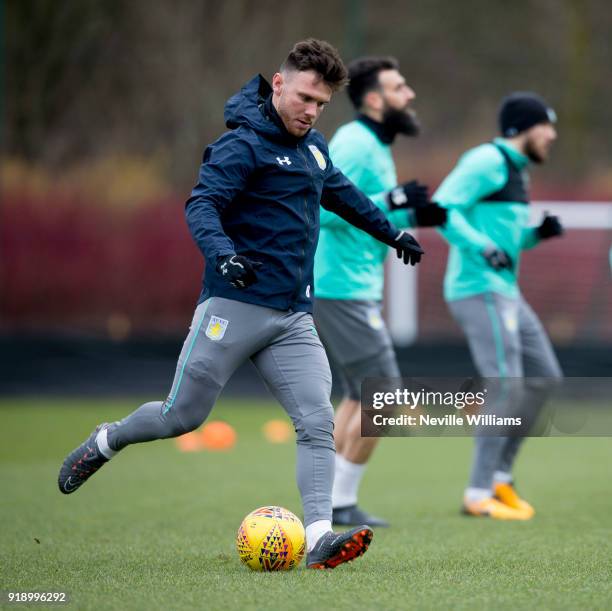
(306, 227)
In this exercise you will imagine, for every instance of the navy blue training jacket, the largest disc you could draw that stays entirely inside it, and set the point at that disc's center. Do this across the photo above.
(258, 195)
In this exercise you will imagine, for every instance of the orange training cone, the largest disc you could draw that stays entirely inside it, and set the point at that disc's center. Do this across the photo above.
(218, 435)
(190, 442)
(277, 431)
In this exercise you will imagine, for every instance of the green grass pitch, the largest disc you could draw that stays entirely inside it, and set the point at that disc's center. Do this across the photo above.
(155, 528)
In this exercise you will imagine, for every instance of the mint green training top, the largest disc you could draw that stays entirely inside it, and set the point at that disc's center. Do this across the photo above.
(348, 261)
(473, 224)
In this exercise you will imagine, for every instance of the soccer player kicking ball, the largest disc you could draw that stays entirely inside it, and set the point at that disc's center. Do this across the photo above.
(254, 213)
(487, 200)
(349, 263)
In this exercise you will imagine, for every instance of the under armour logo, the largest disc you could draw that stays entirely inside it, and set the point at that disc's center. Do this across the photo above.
(283, 160)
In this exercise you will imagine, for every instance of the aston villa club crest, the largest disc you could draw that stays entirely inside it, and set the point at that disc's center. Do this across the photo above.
(216, 328)
(318, 155)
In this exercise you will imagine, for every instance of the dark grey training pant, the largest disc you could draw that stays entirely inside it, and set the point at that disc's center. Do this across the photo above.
(357, 341)
(506, 340)
(286, 350)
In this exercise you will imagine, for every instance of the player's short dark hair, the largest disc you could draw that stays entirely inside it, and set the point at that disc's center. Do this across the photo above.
(320, 56)
(363, 75)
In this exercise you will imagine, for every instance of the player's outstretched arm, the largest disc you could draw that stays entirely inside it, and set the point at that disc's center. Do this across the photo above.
(343, 198)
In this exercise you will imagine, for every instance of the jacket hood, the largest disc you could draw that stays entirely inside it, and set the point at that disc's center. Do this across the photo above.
(246, 108)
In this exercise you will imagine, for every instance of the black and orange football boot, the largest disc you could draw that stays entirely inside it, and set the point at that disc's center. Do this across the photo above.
(333, 548)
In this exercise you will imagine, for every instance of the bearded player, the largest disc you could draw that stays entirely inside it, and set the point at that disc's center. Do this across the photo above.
(349, 263)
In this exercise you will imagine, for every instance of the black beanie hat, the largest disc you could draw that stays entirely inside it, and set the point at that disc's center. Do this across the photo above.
(521, 110)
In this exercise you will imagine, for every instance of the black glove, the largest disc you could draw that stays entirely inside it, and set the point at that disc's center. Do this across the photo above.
(237, 270)
(550, 227)
(408, 248)
(497, 258)
(430, 215)
(409, 195)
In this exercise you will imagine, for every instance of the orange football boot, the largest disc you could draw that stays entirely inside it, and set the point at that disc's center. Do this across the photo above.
(505, 493)
(492, 508)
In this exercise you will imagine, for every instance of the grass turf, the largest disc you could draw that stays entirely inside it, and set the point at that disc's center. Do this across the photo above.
(155, 528)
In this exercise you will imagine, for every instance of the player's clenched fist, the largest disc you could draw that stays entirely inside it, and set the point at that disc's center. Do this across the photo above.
(238, 270)
(497, 258)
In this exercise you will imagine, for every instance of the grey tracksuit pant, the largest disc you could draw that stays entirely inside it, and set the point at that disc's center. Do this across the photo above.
(288, 354)
(506, 340)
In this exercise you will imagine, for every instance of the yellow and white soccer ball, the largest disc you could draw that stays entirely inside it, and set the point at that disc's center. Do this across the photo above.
(271, 539)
